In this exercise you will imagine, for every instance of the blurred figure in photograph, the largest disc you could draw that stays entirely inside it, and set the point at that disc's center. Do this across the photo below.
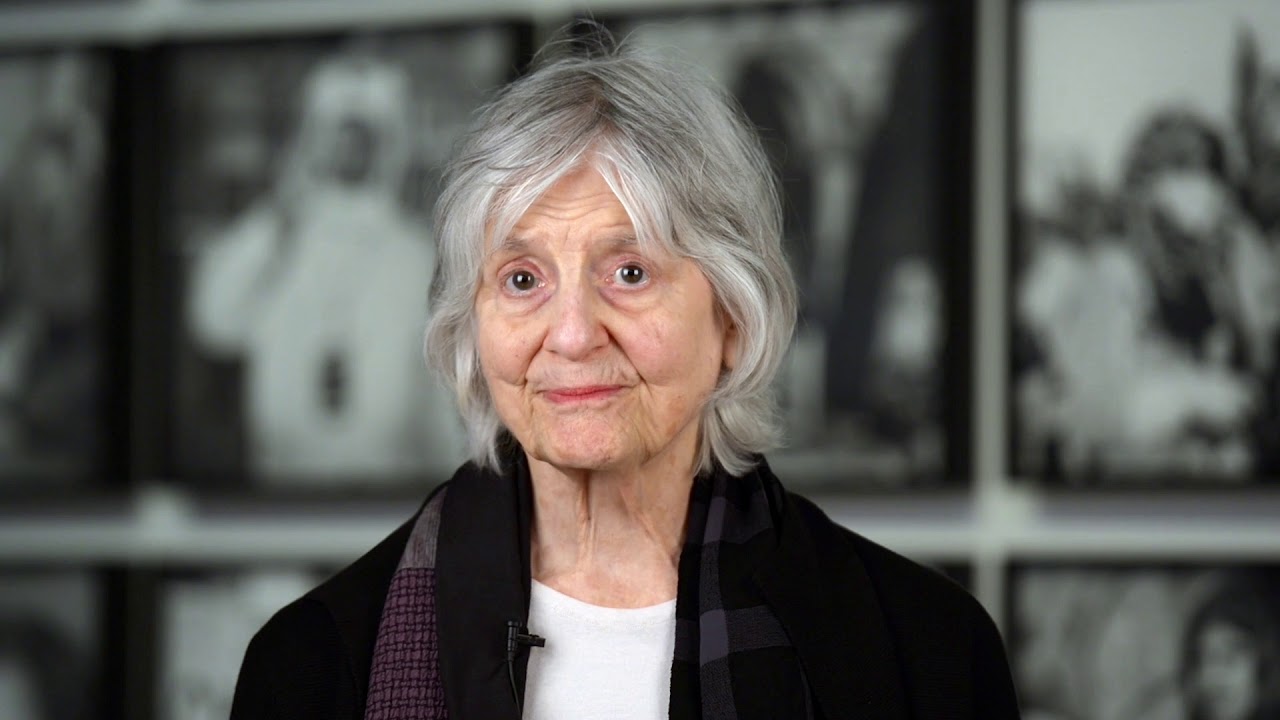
(1215, 288)
(857, 175)
(1148, 643)
(1231, 654)
(903, 389)
(885, 360)
(49, 341)
(1097, 644)
(320, 288)
(1154, 331)
(805, 115)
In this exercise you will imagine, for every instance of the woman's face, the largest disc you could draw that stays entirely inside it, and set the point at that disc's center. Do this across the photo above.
(598, 355)
(1226, 678)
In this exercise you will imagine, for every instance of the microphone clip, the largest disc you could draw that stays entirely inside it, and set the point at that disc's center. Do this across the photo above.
(518, 635)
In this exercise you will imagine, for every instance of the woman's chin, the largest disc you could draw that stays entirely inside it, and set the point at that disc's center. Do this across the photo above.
(578, 459)
(584, 450)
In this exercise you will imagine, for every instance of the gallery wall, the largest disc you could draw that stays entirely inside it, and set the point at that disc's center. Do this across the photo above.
(1039, 247)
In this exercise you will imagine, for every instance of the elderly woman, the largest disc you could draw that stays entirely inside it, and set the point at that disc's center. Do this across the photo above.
(611, 302)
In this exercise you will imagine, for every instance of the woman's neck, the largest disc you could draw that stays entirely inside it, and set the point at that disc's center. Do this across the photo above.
(610, 539)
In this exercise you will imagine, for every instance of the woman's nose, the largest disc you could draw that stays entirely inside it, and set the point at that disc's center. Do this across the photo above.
(576, 326)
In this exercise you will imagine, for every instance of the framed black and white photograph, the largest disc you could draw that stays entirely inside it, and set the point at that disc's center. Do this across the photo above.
(51, 644)
(1145, 642)
(60, 290)
(296, 252)
(864, 109)
(1145, 295)
(205, 619)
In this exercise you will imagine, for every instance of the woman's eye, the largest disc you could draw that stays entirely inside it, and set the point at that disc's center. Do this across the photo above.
(522, 281)
(631, 275)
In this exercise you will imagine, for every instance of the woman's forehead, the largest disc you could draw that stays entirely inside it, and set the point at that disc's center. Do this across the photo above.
(635, 218)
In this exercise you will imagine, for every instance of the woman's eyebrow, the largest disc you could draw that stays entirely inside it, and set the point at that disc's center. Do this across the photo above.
(513, 245)
(517, 245)
(624, 240)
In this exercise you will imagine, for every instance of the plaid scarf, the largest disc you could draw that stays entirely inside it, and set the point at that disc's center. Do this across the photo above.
(733, 660)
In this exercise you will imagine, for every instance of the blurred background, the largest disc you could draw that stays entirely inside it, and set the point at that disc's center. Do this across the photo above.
(1039, 348)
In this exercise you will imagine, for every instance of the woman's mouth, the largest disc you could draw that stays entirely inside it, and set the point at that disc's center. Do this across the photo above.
(581, 394)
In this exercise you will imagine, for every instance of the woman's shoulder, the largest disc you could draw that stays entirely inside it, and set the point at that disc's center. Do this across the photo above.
(917, 601)
(295, 655)
(939, 632)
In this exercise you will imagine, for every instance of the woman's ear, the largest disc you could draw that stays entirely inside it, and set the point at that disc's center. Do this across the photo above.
(729, 353)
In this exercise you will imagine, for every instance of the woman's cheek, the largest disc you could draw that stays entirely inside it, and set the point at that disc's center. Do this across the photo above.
(664, 357)
(511, 349)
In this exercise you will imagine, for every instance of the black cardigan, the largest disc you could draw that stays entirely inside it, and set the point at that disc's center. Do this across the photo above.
(879, 636)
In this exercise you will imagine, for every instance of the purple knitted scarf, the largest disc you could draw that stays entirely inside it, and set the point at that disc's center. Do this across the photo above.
(404, 683)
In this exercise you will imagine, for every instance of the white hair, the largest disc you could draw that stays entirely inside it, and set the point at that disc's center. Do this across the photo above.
(692, 176)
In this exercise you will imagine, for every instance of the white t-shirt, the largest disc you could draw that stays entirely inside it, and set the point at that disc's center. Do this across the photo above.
(599, 662)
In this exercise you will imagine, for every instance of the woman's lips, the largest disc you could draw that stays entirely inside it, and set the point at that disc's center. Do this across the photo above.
(582, 394)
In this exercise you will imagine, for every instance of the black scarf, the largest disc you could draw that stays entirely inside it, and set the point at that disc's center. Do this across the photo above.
(732, 657)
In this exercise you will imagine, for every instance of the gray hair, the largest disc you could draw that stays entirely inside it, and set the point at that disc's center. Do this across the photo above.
(692, 176)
